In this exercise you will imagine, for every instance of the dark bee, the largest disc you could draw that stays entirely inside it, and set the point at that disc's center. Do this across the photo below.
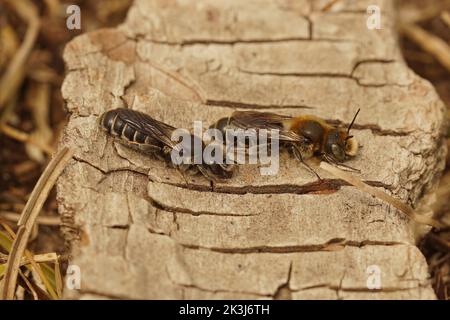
(332, 143)
(141, 132)
(305, 135)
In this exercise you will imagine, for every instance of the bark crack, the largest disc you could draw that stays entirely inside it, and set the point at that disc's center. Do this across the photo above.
(328, 246)
(213, 291)
(195, 42)
(322, 75)
(323, 186)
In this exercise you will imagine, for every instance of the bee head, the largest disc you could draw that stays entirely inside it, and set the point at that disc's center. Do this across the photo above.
(217, 172)
(335, 145)
(217, 169)
(340, 144)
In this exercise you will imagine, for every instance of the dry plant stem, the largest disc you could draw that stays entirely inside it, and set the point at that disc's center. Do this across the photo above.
(8, 109)
(28, 218)
(430, 43)
(39, 258)
(58, 278)
(445, 17)
(379, 194)
(38, 101)
(42, 276)
(11, 206)
(29, 256)
(14, 75)
(416, 15)
(43, 220)
(53, 7)
(25, 137)
(10, 44)
(28, 283)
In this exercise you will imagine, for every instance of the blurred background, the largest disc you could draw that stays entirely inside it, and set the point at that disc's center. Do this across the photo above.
(33, 34)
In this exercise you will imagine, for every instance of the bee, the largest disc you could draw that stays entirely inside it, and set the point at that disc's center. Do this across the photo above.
(334, 144)
(305, 136)
(141, 132)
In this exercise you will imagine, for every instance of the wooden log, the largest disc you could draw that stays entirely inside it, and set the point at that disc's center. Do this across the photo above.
(137, 230)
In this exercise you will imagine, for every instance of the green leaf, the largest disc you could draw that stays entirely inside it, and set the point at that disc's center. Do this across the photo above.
(5, 241)
(2, 269)
(49, 273)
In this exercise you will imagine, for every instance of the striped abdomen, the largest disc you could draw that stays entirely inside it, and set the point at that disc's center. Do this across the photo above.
(128, 126)
(114, 125)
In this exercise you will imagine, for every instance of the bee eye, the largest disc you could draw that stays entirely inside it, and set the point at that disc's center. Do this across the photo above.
(338, 152)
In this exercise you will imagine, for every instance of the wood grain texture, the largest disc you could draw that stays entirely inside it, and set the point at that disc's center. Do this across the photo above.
(137, 230)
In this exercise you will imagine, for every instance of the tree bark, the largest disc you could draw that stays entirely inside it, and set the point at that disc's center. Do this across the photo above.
(138, 231)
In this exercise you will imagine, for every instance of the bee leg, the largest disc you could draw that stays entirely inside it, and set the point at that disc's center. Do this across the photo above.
(229, 168)
(206, 174)
(332, 161)
(349, 168)
(298, 156)
(150, 150)
(181, 172)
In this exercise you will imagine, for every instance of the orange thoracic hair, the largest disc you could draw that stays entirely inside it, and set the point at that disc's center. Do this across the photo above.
(312, 127)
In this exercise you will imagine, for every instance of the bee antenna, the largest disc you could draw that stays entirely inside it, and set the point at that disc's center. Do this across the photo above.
(353, 121)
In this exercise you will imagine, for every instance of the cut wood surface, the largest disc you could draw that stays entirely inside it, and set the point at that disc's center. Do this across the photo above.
(137, 230)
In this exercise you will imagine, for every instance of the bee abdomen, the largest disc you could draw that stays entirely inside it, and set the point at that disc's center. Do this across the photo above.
(128, 133)
(111, 122)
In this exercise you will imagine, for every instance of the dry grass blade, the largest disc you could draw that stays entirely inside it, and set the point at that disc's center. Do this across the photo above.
(58, 278)
(14, 75)
(42, 259)
(36, 267)
(53, 7)
(5, 241)
(3, 259)
(39, 258)
(28, 218)
(35, 289)
(445, 17)
(38, 100)
(29, 285)
(46, 221)
(430, 43)
(41, 274)
(25, 137)
(10, 43)
(348, 177)
(417, 14)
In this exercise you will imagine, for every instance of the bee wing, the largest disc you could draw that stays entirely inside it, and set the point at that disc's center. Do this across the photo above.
(143, 123)
(259, 120)
(265, 120)
(290, 136)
